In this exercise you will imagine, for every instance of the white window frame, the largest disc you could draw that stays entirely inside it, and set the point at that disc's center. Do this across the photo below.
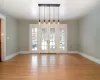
(30, 38)
(58, 49)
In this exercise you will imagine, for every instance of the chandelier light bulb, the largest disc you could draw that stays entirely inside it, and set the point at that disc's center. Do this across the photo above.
(39, 23)
(53, 22)
(58, 22)
(44, 22)
(48, 22)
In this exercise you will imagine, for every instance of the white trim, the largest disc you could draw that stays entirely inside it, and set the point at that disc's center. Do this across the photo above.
(11, 56)
(28, 52)
(89, 57)
(72, 52)
(57, 49)
(3, 35)
(30, 37)
(63, 26)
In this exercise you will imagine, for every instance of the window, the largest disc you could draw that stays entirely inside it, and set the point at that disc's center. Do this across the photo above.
(62, 39)
(34, 38)
(52, 38)
(44, 39)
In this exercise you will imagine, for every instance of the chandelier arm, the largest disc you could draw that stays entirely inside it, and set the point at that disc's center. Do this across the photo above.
(39, 22)
(44, 13)
(49, 5)
(49, 13)
(58, 14)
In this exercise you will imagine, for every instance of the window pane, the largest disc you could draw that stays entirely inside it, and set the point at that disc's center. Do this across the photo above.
(52, 44)
(62, 39)
(44, 47)
(35, 30)
(44, 30)
(32, 30)
(34, 38)
(34, 45)
(52, 37)
(44, 43)
(52, 30)
(44, 38)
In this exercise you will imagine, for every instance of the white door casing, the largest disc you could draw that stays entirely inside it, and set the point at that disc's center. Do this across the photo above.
(44, 38)
(48, 38)
(53, 28)
(62, 38)
(3, 37)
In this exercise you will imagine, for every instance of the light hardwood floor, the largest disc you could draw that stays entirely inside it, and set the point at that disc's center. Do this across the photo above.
(49, 67)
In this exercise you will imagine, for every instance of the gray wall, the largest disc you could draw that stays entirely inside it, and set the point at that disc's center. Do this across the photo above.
(24, 34)
(89, 33)
(12, 30)
(72, 35)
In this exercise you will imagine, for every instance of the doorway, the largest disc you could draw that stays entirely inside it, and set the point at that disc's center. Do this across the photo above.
(0, 40)
(48, 38)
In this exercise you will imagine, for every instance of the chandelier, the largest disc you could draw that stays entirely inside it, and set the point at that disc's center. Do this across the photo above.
(49, 13)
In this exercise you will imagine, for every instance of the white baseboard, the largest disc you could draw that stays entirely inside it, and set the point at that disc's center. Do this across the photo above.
(28, 52)
(89, 57)
(69, 52)
(11, 56)
(72, 52)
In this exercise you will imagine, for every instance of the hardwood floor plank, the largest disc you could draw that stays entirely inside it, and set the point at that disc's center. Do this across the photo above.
(49, 67)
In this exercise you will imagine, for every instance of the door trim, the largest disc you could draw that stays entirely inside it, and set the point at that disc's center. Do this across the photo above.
(30, 37)
(3, 37)
(30, 44)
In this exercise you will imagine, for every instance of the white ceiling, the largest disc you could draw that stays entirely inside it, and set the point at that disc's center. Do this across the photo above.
(28, 9)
